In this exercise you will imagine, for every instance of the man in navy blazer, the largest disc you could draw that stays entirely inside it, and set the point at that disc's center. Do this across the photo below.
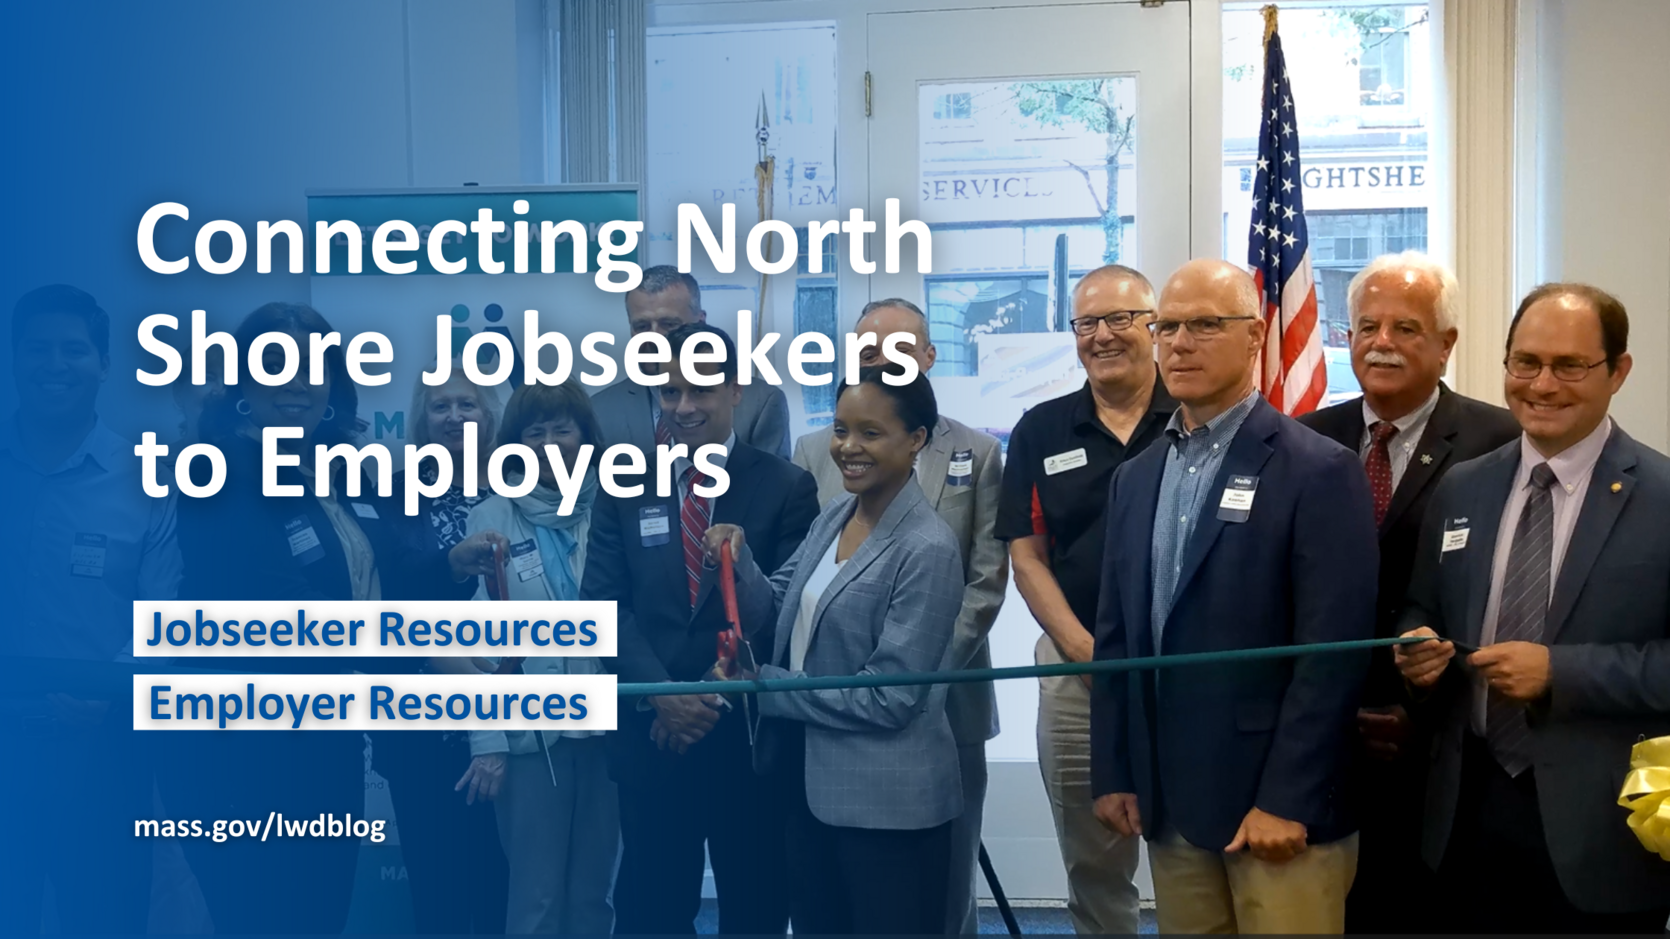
(1233, 771)
(1551, 555)
(684, 763)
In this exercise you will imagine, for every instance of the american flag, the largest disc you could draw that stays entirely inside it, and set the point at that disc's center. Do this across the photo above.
(1294, 377)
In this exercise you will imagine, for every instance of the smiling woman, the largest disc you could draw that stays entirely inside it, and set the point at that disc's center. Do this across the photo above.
(239, 544)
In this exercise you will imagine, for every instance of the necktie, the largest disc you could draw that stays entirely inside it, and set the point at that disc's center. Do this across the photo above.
(694, 518)
(1523, 615)
(1379, 467)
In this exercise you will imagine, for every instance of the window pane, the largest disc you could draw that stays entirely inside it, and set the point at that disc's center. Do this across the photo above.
(1363, 97)
(1023, 183)
(815, 312)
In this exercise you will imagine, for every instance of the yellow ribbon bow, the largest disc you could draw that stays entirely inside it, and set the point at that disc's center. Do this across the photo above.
(1647, 794)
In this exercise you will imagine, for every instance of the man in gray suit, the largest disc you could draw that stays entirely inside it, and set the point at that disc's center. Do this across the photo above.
(631, 413)
(960, 472)
(1551, 558)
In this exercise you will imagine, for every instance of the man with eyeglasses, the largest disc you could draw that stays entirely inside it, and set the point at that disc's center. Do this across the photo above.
(961, 471)
(1062, 454)
(1243, 530)
(1547, 565)
(631, 413)
(1408, 429)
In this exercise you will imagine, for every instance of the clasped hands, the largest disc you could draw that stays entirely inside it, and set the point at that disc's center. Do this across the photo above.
(1267, 837)
(681, 721)
(1518, 671)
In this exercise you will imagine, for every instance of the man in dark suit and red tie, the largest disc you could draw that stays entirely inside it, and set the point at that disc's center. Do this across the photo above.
(1551, 558)
(683, 762)
(1408, 429)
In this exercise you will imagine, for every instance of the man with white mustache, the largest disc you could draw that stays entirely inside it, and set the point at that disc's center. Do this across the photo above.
(1409, 430)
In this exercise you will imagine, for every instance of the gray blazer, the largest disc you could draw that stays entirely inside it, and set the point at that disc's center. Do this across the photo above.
(875, 757)
(967, 503)
(624, 414)
(1608, 638)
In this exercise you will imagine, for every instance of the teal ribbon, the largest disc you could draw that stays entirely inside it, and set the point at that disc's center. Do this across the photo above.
(106, 679)
(635, 689)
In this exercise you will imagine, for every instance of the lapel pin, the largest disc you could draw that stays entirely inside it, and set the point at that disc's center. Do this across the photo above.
(1426, 459)
(1617, 487)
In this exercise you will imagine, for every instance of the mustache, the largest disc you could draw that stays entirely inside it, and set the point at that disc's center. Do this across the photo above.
(1376, 357)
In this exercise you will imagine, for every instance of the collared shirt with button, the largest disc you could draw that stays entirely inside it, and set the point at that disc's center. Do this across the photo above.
(1401, 448)
(1573, 468)
(85, 541)
(1059, 462)
(1193, 459)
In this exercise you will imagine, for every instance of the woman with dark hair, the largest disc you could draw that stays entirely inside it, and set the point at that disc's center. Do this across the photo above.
(242, 545)
(869, 774)
(559, 821)
(456, 872)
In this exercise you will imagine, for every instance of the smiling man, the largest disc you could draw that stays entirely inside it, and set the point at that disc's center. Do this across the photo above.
(1552, 556)
(684, 763)
(82, 542)
(631, 413)
(1408, 429)
(1062, 454)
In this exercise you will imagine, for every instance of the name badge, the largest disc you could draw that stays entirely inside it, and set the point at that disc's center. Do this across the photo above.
(654, 524)
(1455, 535)
(87, 555)
(363, 510)
(304, 541)
(961, 470)
(1062, 462)
(525, 560)
(1237, 502)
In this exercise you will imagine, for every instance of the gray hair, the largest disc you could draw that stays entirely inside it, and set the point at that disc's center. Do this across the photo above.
(665, 277)
(1443, 311)
(902, 304)
(1118, 272)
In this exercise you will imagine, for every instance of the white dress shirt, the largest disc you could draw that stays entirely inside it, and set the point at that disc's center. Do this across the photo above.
(1401, 448)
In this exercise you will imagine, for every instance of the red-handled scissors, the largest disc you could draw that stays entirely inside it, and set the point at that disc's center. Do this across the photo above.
(736, 657)
(730, 640)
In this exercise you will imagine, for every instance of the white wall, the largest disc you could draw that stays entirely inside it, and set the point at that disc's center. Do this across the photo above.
(236, 111)
(1606, 74)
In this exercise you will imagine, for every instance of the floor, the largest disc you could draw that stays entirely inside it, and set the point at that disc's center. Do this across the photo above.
(1034, 919)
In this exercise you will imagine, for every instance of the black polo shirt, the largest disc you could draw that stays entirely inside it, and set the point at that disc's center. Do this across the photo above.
(1055, 482)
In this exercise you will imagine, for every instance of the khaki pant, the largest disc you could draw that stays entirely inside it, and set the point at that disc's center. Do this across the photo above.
(1101, 896)
(1201, 891)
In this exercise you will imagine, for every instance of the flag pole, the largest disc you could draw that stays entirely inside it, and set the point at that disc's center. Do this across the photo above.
(765, 175)
(1274, 334)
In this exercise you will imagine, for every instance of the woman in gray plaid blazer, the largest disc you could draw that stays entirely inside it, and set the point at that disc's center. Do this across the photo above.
(869, 775)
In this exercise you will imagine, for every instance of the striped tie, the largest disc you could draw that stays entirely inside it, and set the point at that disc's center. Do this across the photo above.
(1523, 614)
(694, 518)
(663, 433)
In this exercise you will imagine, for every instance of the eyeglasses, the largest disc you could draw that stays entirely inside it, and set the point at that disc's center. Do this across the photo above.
(1118, 321)
(1528, 367)
(1200, 327)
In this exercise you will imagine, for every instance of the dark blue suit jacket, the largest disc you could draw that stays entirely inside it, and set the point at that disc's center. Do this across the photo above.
(1609, 652)
(1201, 746)
(661, 637)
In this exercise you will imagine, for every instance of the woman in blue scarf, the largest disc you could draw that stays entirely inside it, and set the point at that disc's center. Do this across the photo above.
(556, 806)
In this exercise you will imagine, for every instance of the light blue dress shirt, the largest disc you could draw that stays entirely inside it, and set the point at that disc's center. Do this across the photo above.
(80, 543)
(1193, 459)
